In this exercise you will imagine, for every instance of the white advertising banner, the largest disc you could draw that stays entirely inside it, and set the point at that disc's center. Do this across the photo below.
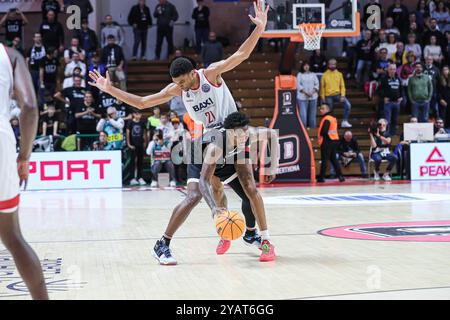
(75, 170)
(430, 161)
(23, 5)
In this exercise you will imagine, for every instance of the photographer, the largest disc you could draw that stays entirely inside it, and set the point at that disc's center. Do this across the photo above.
(380, 141)
(113, 126)
(159, 151)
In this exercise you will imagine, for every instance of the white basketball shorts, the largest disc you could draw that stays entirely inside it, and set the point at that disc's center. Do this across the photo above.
(9, 178)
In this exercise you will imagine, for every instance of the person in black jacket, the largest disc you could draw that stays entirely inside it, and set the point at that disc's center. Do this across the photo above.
(52, 32)
(88, 39)
(48, 5)
(114, 59)
(201, 17)
(140, 19)
(318, 63)
(391, 91)
(399, 12)
(166, 14)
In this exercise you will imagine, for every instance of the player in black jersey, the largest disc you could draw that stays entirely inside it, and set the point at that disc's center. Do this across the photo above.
(228, 157)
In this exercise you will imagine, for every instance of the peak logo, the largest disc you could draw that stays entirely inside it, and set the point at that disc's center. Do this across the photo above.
(435, 156)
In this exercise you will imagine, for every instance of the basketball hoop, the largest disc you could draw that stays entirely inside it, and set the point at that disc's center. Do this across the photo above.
(312, 33)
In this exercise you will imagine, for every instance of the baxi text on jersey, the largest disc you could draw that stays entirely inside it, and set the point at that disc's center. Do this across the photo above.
(203, 105)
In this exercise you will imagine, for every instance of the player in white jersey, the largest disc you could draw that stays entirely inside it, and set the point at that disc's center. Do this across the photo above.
(207, 100)
(15, 78)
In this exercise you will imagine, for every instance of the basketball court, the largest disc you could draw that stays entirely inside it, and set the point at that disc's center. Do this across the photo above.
(95, 244)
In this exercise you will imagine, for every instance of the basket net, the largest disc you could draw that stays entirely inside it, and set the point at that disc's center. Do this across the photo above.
(312, 33)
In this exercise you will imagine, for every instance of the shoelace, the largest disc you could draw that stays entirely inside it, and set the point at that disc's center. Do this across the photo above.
(265, 246)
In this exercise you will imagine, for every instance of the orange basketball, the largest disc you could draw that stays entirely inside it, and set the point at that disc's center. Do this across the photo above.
(230, 225)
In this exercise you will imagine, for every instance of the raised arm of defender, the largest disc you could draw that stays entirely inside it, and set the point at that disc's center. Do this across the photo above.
(164, 96)
(214, 71)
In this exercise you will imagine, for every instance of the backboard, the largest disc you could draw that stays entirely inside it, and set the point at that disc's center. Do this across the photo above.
(341, 17)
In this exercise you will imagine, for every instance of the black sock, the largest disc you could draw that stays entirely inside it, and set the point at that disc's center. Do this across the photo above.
(250, 233)
(165, 240)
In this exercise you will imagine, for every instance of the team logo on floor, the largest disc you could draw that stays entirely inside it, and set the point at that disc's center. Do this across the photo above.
(12, 285)
(355, 198)
(418, 231)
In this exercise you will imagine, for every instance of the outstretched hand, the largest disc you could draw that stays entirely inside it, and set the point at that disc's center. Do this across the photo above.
(100, 82)
(260, 18)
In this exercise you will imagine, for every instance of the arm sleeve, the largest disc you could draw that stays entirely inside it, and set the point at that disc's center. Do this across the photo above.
(119, 123)
(100, 125)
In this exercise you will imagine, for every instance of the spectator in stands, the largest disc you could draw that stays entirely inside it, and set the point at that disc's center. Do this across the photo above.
(13, 21)
(433, 50)
(434, 73)
(68, 82)
(318, 63)
(87, 39)
(166, 14)
(399, 14)
(141, 20)
(154, 120)
(166, 127)
(48, 73)
(328, 141)
(434, 31)
(52, 32)
(447, 48)
(179, 133)
(380, 142)
(97, 64)
(381, 40)
(113, 125)
(404, 72)
(308, 92)
(135, 135)
(105, 100)
(422, 13)
(176, 105)
(75, 63)
(414, 29)
(201, 17)
(391, 45)
(33, 59)
(17, 45)
(420, 92)
(84, 5)
(74, 49)
(159, 151)
(399, 55)
(102, 143)
(73, 100)
(439, 128)
(348, 151)
(332, 89)
(350, 51)
(442, 16)
(111, 28)
(50, 122)
(212, 50)
(16, 129)
(413, 46)
(114, 59)
(364, 55)
(391, 93)
(412, 19)
(391, 28)
(177, 129)
(174, 115)
(87, 115)
(444, 95)
(380, 65)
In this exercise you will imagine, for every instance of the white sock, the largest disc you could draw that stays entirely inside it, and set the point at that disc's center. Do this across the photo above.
(265, 235)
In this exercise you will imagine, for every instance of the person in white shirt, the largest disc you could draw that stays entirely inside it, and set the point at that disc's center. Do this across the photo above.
(390, 28)
(434, 51)
(166, 127)
(307, 94)
(413, 46)
(76, 62)
(68, 82)
(74, 48)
